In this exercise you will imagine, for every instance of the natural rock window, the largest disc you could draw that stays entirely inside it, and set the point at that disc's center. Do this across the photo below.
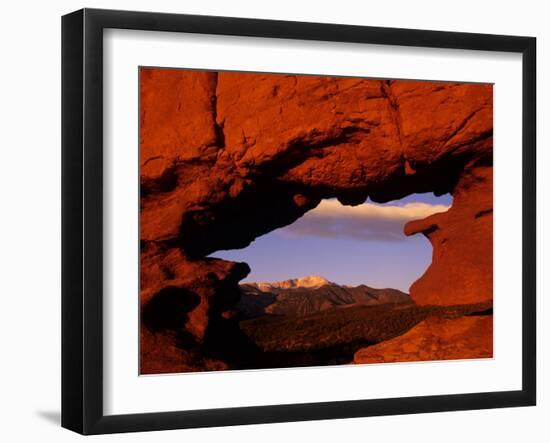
(229, 157)
(348, 245)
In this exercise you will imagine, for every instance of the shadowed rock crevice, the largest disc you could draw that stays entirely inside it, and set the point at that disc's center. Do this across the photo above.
(166, 182)
(168, 309)
(234, 222)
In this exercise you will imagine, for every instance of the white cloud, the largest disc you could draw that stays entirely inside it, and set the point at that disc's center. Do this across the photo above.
(364, 222)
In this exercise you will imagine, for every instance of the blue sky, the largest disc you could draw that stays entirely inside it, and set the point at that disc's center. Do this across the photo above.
(346, 245)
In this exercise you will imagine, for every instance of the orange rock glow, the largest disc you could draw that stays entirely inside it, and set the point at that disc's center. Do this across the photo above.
(226, 157)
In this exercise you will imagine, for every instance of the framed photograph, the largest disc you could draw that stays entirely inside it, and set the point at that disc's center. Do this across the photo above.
(269, 221)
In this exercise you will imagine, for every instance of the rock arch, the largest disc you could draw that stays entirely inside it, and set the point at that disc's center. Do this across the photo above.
(226, 157)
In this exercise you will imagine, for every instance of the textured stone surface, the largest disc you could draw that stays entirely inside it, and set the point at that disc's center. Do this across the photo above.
(287, 141)
(193, 286)
(435, 338)
(462, 238)
(227, 157)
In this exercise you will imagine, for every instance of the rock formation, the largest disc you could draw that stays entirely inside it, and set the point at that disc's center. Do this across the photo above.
(435, 339)
(227, 157)
(462, 240)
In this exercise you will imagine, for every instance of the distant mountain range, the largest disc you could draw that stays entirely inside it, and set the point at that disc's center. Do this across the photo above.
(308, 295)
(308, 282)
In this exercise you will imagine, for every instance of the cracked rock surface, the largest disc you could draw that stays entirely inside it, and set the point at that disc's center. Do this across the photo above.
(435, 339)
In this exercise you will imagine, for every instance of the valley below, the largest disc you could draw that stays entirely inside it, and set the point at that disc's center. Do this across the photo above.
(315, 322)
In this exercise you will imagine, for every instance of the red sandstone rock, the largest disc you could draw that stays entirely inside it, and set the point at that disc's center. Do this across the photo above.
(462, 238)
(204, 286)
(435, 339)
(349, 138)
(227, 157)
(177, 120)
(161, 354)
(443, 119)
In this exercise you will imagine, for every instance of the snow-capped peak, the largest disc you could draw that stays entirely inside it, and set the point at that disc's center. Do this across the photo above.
(309, 281)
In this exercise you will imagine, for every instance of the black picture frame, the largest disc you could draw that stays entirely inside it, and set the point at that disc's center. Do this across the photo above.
(82, 218)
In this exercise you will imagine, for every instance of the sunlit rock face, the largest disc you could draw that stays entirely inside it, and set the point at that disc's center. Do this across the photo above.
(462, 238)
(435, 339)
(227, 157)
